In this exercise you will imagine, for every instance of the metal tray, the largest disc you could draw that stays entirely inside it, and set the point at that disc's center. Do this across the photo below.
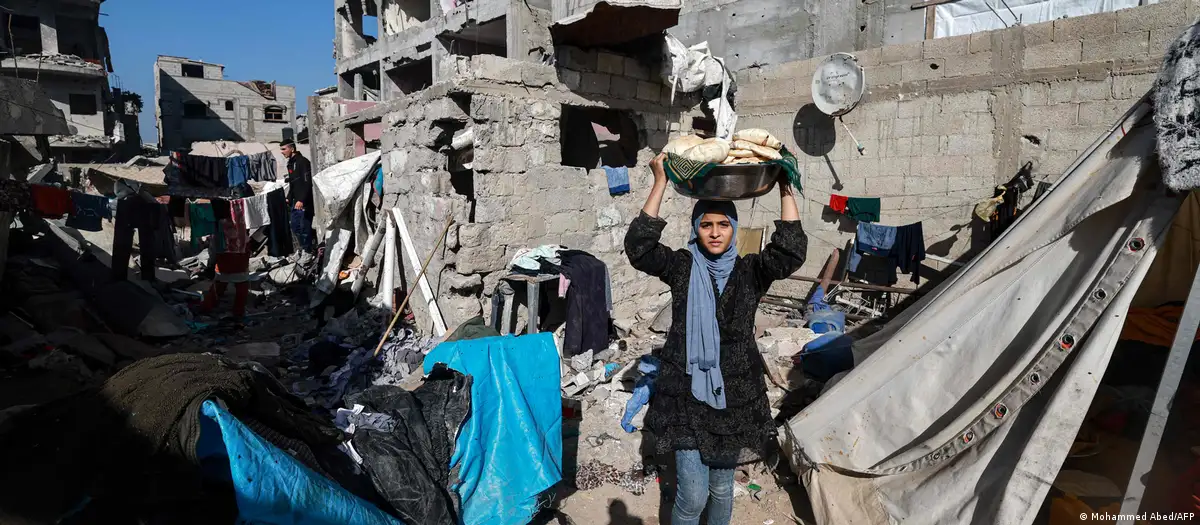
(731, 183)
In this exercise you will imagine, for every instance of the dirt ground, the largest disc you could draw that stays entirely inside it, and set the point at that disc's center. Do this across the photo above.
(612, 505)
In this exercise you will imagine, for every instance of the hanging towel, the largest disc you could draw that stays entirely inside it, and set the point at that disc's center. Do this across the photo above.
(864, 209)
(618, 179)
(50, 201)
(238, 167)
(256, 214)
(203, 222)
(15, 196)
(838, 203)
(88, 212)
(872, 239)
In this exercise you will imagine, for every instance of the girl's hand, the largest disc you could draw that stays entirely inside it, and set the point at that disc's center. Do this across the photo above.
(660, 173)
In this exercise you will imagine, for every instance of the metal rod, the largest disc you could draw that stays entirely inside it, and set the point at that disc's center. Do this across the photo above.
(411, 289)
(861, 286)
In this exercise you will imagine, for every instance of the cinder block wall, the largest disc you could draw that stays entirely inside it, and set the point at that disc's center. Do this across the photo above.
(945, 120)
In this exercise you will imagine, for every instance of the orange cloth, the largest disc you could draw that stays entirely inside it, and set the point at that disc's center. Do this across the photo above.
(1156, 326)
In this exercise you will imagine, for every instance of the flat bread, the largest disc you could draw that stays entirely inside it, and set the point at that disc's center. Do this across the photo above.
(758, 136)
(740, 153)
(709, 151)
(682, 144)
(761, 151)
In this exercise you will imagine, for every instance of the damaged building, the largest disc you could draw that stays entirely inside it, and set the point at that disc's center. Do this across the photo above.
(61, 45)
(196, 103)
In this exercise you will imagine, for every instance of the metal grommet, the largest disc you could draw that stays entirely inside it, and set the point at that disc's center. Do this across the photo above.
(1035, 378)
(968, 437)
(1066, 341)
(937, 456)
(1100, 294)
(1136, 244)
(1000, 410)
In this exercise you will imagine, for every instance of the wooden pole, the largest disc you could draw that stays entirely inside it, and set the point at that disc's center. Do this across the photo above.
(411, 289)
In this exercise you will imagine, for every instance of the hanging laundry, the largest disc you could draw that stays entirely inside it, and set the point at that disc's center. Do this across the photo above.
(564, 283)
(530, 261)
(88, 212)
(256, 215)
(15, 196)
(205, 172)
(262, 167)
(618, 179)
(51, 202)
(871, 239)
(135, 213)
(202, 221)
(587, 303)
(236, 240)
(909, 250)
(838, 203)
(864, 209)
(238, 167)
(279, 235)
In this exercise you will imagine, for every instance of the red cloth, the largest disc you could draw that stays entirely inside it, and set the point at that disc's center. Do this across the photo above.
(234, 228)
(51, 202)
(229, 263)
(838, 203)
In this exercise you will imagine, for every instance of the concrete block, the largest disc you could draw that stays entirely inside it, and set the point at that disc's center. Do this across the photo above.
(480, 259)
(966, 184)
(869, 57)
(598, 83)
(538, 75)
(969, 65)
(610, 63)
(1132, 86)
(577, 59)
(927, 69)
(1121, 45)
(946, 46)
(648, 91)
(1056, 116)
(636, 70)
(981, 42)
(969, 144)
(1038, 34)
(1081, 27)
(1154, 16)
(444, 109)
(1161, 39)
(918, 184)
(884, 75)
(967, 102)
(1101, 113)
(901, 53)
(571, 79)
(1035, 94)
(1073, 139)
(1054, 54)
(623, 88)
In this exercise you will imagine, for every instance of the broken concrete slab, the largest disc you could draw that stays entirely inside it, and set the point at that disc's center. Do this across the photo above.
(129, 347)
(82, 344)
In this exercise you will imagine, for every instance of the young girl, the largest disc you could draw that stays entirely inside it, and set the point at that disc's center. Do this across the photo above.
(710, 402)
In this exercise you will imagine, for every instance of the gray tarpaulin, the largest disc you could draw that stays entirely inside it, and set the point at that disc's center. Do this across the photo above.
(963, 408)
(336, 187)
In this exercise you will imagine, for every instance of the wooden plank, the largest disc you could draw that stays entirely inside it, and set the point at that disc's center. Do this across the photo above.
(930, 22)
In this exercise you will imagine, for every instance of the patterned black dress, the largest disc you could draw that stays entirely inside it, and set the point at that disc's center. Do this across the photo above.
(739, 433)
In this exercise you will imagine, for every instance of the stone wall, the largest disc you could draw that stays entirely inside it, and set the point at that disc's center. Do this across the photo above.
(945, 120)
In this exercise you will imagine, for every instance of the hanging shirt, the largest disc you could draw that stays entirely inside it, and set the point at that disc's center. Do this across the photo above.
(203, 222)
(238, 167)
(88, 212)
(872, 239)
(50, 201)
(909, 250)
(838, 203)
(262, 167)
(256, 214)
(236, 239)
(864, 209)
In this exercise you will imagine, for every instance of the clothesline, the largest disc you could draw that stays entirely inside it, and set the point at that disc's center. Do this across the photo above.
(926, 194)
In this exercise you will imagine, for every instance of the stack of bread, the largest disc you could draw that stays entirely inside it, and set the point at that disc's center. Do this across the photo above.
(749, 146)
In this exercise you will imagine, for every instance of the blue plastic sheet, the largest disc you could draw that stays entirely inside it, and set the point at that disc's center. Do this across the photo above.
(510, 449)
(274, 488)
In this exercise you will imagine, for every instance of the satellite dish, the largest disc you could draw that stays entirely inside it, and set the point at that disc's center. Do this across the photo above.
(838, 84)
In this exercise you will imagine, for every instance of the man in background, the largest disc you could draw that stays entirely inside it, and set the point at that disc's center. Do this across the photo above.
(300, 197)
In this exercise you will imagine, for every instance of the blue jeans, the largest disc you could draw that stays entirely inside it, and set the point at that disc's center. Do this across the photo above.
(302, 229)
(699, 485)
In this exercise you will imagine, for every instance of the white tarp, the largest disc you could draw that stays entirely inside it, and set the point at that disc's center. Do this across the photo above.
(963, 408)
(971, 16)
(336, 186)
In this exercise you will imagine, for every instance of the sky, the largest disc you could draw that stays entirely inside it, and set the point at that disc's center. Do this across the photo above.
(290, 42)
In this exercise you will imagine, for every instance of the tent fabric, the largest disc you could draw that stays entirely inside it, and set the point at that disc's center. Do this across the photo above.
(336, 187)
(273, 488)
(510, 449)
(963, 408)
(1171, 275)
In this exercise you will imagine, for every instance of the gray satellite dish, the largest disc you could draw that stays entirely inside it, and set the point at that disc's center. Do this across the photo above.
(838, 84)
(837, 87)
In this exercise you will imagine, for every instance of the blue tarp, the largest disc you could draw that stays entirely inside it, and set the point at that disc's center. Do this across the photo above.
(510, 449)
(271, 486)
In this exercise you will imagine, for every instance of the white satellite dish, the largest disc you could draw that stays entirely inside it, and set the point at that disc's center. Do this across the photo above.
(838, 84)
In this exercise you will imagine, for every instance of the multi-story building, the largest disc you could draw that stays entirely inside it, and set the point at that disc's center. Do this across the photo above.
(60, 45)
(196, 103)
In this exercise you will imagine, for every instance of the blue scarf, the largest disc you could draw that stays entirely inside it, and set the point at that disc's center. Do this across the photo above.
(703, 334)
